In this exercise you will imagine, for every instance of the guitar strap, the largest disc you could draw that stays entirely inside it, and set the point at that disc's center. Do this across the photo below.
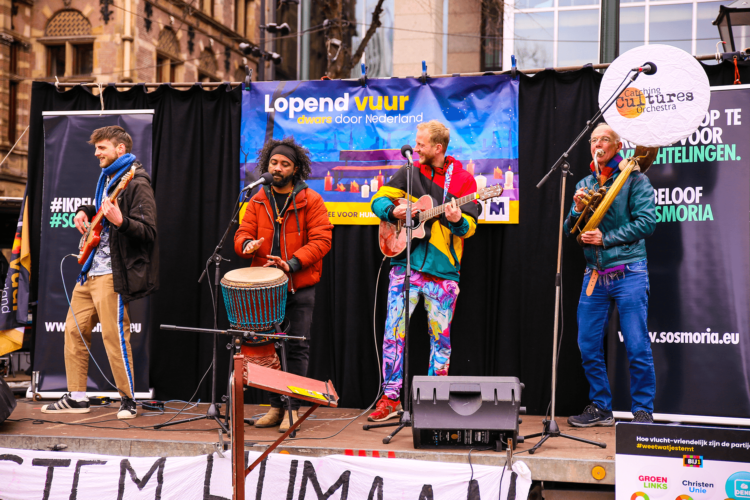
(447, 183)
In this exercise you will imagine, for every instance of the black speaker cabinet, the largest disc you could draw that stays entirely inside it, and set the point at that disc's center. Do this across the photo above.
(465, 412)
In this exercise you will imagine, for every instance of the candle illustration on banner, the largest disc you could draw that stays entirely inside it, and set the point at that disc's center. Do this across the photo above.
(481, 181)
(509, 179)
(328, 184)
(497, 173)
(365, 190)
(374, 185)
(381, 179)
(354, 187)
(470, 168)
(340, 187)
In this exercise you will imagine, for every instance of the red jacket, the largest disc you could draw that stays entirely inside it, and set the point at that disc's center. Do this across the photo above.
(306, 236)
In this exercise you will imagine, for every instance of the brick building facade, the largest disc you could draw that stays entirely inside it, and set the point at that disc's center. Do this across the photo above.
(103, 41)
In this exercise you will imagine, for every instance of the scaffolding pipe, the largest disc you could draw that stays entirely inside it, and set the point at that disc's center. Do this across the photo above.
(234, 84)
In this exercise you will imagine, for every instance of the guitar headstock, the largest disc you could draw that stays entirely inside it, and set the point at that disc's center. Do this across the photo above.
(127, 178)
(490, 192)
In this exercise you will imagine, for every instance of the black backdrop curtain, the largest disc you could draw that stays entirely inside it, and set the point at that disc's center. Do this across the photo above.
(723, 74)
(504, 316)
(196, 179)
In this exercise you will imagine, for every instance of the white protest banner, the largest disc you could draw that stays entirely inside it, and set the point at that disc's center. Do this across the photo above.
(27, 474)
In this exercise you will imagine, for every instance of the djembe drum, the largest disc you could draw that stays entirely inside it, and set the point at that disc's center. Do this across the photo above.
(255, 299)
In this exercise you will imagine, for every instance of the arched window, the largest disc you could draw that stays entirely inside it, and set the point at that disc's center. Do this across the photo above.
(68, 23)
(207, 67)
(70, 45)
(167, 56)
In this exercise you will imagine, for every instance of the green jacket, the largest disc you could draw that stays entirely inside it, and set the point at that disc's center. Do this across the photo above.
(630, 219)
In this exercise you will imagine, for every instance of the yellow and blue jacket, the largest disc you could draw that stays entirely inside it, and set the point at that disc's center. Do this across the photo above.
(439, 253)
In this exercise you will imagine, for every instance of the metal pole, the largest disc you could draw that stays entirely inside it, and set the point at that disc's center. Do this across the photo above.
(273, 40)
(299, 40)
(306, 10)
(261, 60)
(609, 39)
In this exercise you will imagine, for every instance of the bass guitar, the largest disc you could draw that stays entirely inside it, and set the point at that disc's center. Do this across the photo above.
(92, 236)
(392, 237)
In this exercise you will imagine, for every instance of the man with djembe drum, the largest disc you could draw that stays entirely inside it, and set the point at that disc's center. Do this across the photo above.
(286, 226)
(616, 273)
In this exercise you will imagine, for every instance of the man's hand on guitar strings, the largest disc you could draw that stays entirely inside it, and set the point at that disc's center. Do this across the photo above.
(81, 221)
(400, 211)
(453, 211)
(112, 212)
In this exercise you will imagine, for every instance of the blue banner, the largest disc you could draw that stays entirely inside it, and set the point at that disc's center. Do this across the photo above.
(355, 132)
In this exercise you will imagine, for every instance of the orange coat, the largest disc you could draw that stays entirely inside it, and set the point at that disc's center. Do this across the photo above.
(309, 242)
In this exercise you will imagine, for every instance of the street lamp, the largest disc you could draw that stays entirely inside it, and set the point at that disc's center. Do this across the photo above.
(734, 25)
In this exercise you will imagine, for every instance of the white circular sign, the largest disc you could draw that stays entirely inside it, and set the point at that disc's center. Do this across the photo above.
(658, 109)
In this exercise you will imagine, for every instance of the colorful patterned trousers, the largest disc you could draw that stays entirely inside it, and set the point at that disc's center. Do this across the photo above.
(439, 301)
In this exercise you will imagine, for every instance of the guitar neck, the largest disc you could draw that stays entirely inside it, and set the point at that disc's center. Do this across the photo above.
(435, 211)
(100, 215)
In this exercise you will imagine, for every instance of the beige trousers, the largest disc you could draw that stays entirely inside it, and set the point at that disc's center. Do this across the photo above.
(96, 301)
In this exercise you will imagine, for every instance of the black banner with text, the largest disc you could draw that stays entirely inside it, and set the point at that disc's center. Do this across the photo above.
(70, 174)
(699, 269)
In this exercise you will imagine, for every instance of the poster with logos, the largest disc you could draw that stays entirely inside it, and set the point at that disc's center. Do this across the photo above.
(679, 462)
(699, 270)
(71, 172)
(355, 131)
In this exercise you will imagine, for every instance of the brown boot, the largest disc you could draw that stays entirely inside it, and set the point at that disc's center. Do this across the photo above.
(270, 419)
(284, 426)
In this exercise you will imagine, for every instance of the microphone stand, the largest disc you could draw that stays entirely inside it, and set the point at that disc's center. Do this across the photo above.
(550, 428)
(405, 414)
(215, 259)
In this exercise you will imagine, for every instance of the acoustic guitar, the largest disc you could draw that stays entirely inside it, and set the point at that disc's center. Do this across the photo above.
(392, 237)
(92, 236)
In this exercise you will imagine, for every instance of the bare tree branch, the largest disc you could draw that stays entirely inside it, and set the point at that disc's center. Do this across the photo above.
(374, 25)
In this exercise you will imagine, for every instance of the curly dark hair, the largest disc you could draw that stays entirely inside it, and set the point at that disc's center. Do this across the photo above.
(303, 158)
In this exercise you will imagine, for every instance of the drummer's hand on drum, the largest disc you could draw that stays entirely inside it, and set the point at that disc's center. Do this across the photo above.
(253, 246)
(278, 262)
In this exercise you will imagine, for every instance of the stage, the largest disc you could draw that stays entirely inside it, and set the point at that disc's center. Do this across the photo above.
(100, 432)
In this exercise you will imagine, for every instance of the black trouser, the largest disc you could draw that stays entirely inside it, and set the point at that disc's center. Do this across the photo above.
(299, 312)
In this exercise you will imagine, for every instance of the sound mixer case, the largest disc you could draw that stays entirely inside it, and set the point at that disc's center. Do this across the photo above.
(466, 412)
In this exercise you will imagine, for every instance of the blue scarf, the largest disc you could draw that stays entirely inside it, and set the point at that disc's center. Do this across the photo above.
(114, 172)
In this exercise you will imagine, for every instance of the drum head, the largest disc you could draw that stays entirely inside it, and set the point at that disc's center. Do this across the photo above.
(255, 276)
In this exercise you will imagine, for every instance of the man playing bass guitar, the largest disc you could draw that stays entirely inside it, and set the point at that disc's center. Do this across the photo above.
(123, 267)
(435, 259)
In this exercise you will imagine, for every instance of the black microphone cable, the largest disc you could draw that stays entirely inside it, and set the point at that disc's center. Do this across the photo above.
(91, 355)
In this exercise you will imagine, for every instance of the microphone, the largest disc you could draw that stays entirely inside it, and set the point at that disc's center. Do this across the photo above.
(406, 152)
(648, 68)
(265, 179)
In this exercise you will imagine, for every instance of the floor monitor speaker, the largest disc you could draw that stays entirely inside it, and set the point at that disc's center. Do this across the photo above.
(466, 412)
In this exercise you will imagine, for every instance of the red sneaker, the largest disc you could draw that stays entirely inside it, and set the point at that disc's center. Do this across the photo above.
(385, 409)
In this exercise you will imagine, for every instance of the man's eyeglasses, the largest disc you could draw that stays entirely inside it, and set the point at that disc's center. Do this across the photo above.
(605, 139)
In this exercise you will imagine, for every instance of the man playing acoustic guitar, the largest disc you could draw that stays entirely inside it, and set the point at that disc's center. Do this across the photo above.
(123, 267)
(435, 259)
